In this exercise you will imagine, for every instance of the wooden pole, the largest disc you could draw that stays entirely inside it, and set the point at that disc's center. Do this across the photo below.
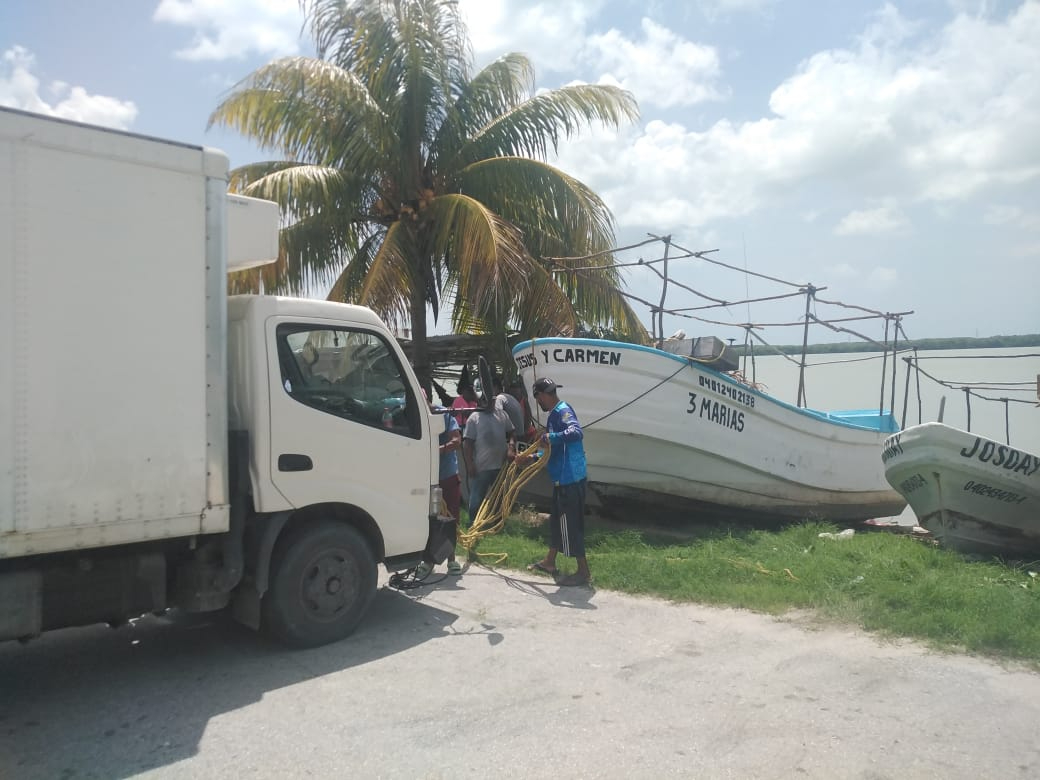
(664, 291)
(884, 366)
(906, 395)
(810, 291)
(895, 342)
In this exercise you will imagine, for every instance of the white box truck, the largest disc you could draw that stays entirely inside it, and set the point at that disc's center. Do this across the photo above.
(163, 445)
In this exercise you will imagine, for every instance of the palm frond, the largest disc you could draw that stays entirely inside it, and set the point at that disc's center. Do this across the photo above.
(500, 86)
(484, 254)
(559, 216)
(311, 252)
(536, 126)
(557, 213)
(597, 295)
(301, 189)
(389, 279)
(310, 110)
(349, 284)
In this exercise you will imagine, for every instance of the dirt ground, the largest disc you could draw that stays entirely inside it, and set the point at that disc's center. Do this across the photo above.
(494, 674)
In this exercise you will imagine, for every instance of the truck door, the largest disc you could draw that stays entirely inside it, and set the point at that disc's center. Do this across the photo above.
(347, 427)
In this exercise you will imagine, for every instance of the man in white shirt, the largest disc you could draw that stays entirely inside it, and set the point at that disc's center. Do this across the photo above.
(487, 442)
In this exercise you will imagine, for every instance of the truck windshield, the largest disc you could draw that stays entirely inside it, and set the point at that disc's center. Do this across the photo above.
(353, 374)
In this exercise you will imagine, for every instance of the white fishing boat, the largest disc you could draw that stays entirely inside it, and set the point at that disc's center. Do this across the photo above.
(974, 494)
(668, 430)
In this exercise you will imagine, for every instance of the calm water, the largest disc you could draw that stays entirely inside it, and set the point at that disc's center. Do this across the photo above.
(833, 382)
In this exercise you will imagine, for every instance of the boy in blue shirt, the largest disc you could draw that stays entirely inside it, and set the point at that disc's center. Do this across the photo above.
(567, 472)
(450, 441)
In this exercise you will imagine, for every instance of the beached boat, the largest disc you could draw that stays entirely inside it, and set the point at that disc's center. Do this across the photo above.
(974, 494)
(669, 430)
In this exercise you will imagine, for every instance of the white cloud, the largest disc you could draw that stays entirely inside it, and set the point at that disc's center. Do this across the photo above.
(20, 88)
(883, 219)
(880, 276)
(850, 278)
(1012, 216)
(898, 119)
(661, 69)
(234, 29)
(1025, 250)
(714, 9)
(843, 271)
(551, 34)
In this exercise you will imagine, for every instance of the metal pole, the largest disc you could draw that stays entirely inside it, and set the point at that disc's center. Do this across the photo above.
(967, 401)
(1007, 423)
(884, 369)
(917, 378)
(810, 291)
(753, 371)
(906, 394)
(664, 290)
(895, 342)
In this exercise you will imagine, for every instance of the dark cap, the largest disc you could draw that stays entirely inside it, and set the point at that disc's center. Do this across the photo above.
(544, 385)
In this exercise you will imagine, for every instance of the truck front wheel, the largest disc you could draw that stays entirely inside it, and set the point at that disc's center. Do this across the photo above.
(323, 577)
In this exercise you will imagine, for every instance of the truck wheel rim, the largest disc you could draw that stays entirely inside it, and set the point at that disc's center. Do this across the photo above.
(329, 586)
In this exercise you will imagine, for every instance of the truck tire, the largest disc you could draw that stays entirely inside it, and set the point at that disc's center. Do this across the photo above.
(323, 577)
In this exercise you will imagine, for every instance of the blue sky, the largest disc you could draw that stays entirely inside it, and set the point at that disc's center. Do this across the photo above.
(887, 151)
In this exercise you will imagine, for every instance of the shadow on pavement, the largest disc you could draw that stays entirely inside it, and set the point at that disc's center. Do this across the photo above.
(97, 703)
(579, 597)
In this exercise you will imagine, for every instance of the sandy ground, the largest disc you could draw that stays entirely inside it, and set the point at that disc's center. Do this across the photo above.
(502, 676)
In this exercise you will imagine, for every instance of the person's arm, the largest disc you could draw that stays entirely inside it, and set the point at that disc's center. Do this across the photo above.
(570, 429)
(454, 441)
(510, 440)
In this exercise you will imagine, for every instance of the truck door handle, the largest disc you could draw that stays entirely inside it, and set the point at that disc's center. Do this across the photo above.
(292, 462)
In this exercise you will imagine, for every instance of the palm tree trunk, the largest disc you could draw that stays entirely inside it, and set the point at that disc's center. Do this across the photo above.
(420, 351)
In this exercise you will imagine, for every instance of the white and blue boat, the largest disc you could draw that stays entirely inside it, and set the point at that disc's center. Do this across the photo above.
(975, 495)
(671, 431)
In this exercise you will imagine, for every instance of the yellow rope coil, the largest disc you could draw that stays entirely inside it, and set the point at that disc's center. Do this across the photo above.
(499, 502)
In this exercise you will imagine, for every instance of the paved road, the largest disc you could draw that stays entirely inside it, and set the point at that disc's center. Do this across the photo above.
(491, 675)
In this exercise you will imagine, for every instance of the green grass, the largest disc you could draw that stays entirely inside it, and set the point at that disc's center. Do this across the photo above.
(889, 584)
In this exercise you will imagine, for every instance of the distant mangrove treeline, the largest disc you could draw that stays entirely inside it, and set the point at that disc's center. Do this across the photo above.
(991, 342)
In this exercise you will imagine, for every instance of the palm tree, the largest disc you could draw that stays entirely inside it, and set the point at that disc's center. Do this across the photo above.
(410, 184)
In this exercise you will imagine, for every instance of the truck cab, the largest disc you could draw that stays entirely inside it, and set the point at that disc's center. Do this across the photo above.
(329, 404)
(334, 441)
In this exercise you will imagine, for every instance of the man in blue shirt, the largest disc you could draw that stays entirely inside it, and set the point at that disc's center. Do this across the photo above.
(567, 472)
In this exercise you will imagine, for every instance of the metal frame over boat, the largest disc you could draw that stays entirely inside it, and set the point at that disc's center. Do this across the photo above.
(670, 431)
(974, 494)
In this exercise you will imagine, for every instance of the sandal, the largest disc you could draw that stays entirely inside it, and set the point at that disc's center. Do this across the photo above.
(454, 567)
(539, 566)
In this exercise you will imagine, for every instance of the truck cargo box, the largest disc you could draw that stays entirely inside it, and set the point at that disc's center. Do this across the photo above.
(112, 336)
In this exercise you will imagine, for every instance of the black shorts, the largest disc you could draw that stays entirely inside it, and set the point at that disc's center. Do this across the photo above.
(567, 521)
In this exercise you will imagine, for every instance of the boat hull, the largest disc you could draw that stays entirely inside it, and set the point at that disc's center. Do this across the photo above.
(668, 432)
(975, 495)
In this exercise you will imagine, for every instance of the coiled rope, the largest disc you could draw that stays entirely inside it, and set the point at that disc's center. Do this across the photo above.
(498, 503)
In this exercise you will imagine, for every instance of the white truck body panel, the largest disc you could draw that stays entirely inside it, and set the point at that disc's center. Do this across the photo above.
(113, 420)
